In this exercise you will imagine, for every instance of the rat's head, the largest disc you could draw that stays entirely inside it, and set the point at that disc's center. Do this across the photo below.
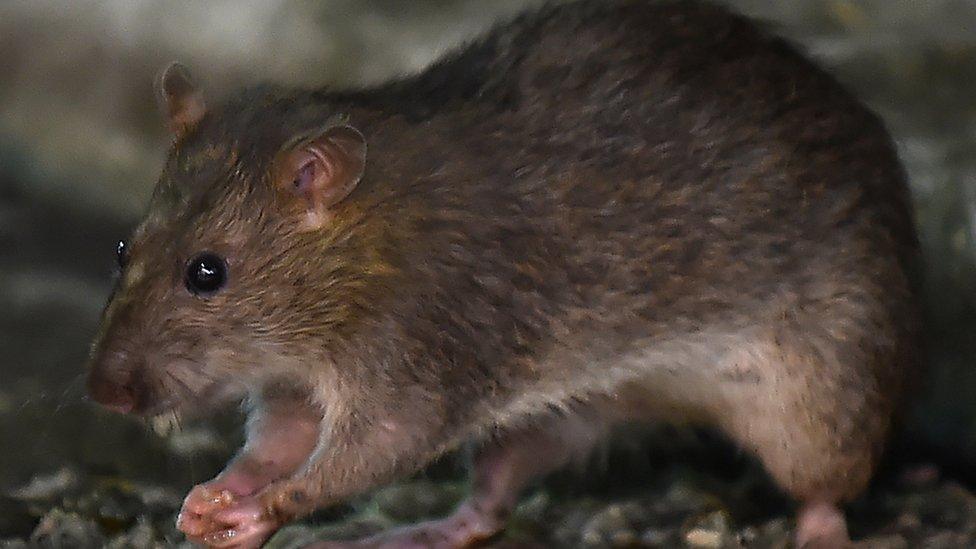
(244, 263)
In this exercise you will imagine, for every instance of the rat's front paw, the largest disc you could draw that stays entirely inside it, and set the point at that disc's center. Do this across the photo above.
(218, 518)
(196, 517)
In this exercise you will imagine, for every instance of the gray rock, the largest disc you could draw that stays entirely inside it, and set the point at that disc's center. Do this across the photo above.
(418, 500)
(140, 536)
(61, 530)
(48, 486)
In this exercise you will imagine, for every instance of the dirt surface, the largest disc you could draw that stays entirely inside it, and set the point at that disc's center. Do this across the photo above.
(678, 508)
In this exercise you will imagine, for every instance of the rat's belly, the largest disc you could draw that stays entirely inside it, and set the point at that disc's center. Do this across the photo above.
(691, 377)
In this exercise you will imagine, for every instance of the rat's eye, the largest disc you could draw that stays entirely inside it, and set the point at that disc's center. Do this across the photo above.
(122, 253)
(205, 274)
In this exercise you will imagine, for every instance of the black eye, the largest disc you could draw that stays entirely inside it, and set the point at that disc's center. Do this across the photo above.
(122, 253)
(206, 273)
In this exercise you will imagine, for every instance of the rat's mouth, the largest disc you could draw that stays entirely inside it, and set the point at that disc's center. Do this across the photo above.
(164, 411)
(161, 395)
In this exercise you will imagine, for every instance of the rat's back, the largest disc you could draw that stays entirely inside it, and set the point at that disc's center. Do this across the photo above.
(723, 232)
(683, 169)
(641, 115)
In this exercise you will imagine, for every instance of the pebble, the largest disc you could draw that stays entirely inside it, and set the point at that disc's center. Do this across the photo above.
(611, 526)
(655, 537)
(708, 531)
(48, 486)
(59, 529)
(140, 536)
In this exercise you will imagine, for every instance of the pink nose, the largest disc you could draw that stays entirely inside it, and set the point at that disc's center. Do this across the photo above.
(110, 394)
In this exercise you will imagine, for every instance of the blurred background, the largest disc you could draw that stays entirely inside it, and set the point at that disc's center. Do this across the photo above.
(81, 142)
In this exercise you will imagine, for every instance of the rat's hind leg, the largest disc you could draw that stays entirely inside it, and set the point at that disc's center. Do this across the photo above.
(502, 469)
(817, 416)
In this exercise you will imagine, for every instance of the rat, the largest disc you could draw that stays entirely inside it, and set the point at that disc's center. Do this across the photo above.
(596, 213)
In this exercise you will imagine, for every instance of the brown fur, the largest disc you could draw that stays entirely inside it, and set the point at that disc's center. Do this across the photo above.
(653, 210)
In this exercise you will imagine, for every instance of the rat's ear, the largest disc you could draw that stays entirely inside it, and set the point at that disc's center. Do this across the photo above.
(182, 102)
(321, 170)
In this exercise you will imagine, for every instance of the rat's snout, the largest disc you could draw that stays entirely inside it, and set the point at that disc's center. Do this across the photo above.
(112, 394)
(110, 383)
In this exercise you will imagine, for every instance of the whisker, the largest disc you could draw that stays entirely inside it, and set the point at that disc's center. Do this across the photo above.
(180, 384)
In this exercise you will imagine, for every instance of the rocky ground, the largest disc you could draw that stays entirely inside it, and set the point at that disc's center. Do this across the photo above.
(80, 142)
(68, 508)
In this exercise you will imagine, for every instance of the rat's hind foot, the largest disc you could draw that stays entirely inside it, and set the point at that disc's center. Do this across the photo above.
(502, 470)
(821, 525)
(465, 528)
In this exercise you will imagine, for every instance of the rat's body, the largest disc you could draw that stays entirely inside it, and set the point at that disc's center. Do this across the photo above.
(598, 213)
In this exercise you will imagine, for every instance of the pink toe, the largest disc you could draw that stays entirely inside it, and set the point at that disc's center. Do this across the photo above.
(193, 525)
(222, 538)
(240, 514)
(243, 536)
(203, 501)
